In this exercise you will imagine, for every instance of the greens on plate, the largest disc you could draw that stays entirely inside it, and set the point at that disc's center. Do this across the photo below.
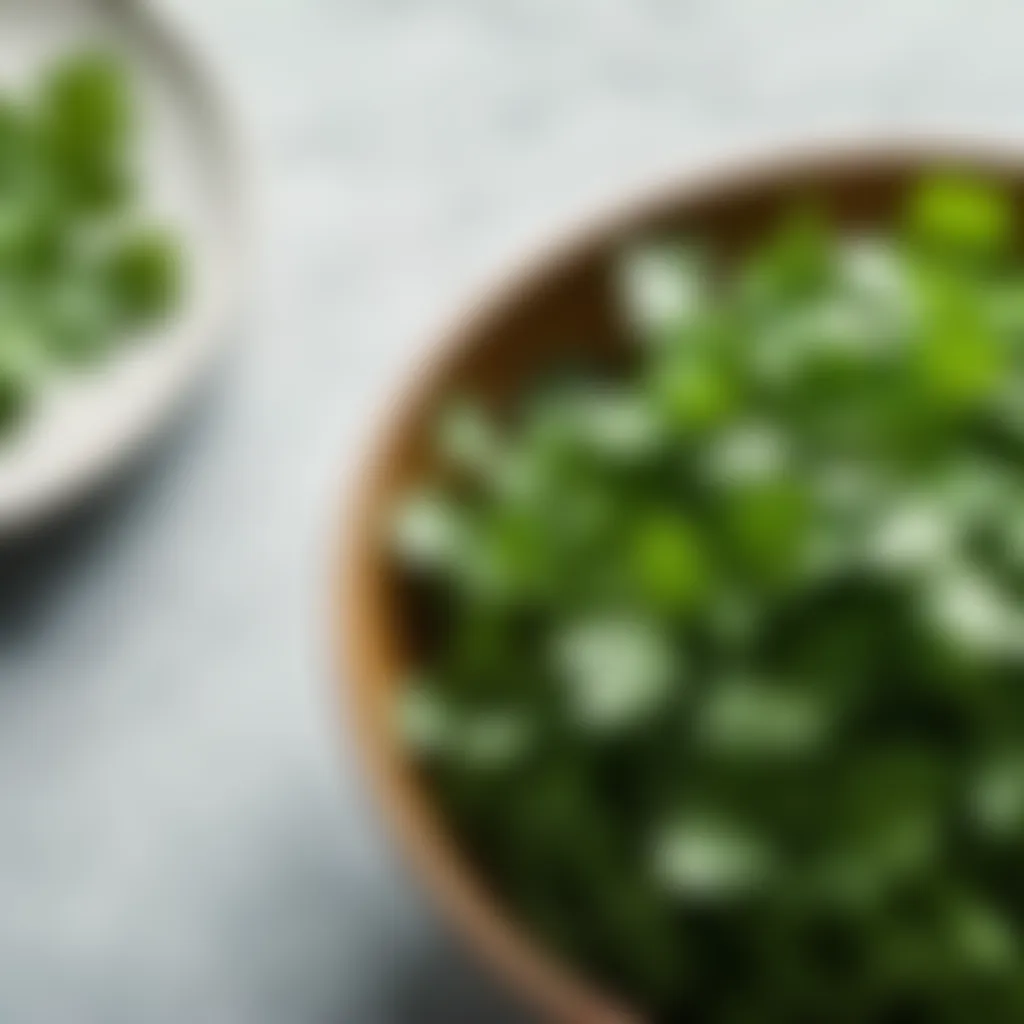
(81, 268)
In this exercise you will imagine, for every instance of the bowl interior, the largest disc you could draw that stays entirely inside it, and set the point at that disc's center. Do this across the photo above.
(561, 305)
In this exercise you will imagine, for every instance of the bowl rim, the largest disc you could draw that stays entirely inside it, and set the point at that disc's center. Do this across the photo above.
(540, 979)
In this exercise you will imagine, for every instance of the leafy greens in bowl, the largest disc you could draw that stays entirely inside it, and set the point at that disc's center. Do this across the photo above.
(719, 655)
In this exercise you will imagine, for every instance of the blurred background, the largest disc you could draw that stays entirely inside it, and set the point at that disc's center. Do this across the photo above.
(183, 835)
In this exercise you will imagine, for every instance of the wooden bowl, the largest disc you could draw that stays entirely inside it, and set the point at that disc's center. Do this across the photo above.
(561, 303)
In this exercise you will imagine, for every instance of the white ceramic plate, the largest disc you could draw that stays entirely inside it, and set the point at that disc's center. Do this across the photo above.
(86, 425)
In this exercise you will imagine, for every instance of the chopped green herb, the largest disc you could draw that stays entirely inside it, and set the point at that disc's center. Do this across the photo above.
(80, 269)
(617, 672)
(145, 275)
(727, 653)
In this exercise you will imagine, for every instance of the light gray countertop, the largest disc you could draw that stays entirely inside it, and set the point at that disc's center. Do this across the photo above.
(183, 834)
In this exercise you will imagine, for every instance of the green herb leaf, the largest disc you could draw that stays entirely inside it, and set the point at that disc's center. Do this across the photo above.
(146, 275)
(617, 672)
(707, 857)
(962, 213)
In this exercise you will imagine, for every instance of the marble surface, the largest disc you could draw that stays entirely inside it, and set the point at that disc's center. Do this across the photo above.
(183, 836)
